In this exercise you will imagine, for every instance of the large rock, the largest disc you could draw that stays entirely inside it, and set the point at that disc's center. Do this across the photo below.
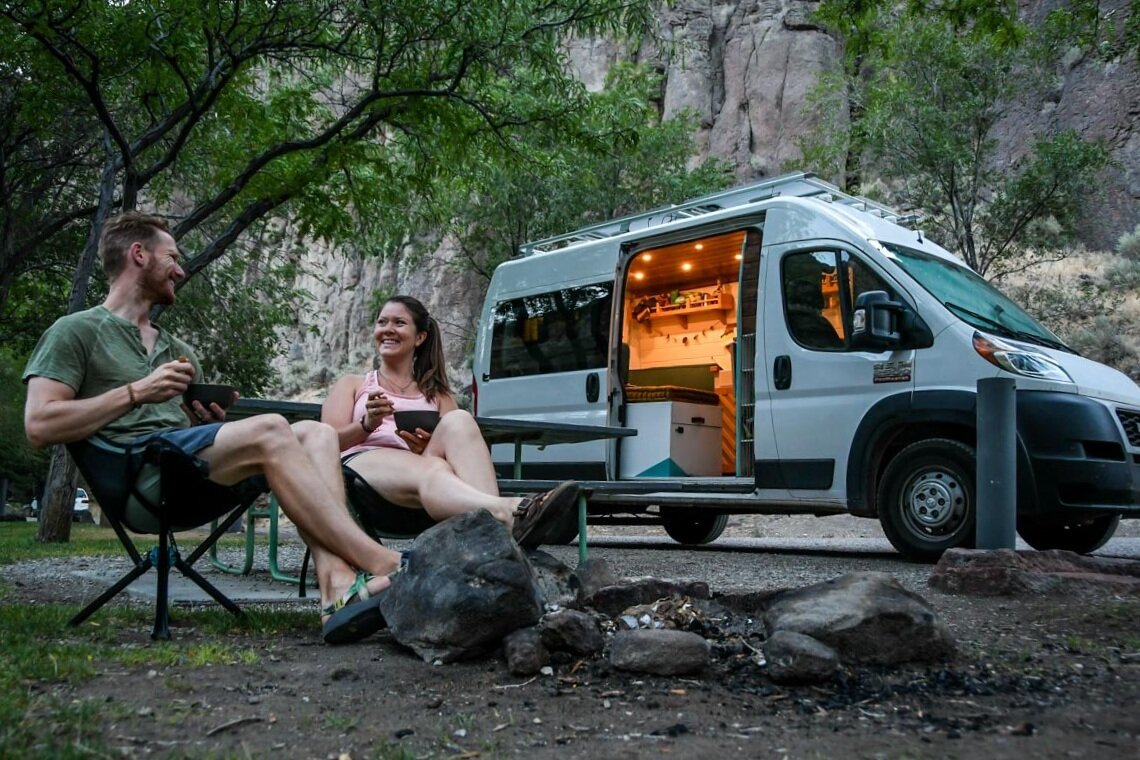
(466, 586)
(661, 652)
(796, 658)
(865, 617)
(1005, 572)
(572, 631)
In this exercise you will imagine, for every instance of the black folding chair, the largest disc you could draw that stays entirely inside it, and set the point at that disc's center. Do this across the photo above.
(376, 516)
(183, 498)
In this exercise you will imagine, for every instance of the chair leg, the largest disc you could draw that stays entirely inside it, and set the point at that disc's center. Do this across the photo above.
(206, 586)
(162, 595)
(304, 572)
(143, 565)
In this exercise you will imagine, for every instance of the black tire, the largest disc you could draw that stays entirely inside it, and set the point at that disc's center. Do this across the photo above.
(927, 499)
(1080, 535)
(693, 526)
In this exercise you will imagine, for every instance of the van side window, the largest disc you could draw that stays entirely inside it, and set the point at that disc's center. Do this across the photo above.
(818, 314)
(860, 279)
(560, 331)
(811, 300)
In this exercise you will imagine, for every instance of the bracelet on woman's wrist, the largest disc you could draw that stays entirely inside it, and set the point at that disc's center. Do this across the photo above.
(367, 430)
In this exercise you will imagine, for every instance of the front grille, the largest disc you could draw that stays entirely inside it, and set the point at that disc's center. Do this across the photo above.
(1131, 422)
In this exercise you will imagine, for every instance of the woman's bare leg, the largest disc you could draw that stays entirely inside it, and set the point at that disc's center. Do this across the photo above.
(457, 439)
(429, 483)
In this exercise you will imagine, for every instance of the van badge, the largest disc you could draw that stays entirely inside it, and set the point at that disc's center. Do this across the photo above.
(893, 372)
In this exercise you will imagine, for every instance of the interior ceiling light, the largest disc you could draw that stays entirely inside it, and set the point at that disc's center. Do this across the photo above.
(738, 256)
(686, 267)
(647, 257)
(639, 275)
(700, 246)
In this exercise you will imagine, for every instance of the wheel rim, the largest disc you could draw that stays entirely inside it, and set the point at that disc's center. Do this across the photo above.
(934, 502)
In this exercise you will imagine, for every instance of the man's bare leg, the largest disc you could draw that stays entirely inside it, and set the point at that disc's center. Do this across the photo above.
(303, 477)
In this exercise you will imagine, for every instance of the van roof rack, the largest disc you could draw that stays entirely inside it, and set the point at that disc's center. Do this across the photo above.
(796, 184)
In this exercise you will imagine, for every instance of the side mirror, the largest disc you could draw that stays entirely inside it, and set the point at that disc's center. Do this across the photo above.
(880, 324)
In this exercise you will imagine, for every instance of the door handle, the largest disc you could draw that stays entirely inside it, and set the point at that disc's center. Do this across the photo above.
(593, 387)
(782, 372)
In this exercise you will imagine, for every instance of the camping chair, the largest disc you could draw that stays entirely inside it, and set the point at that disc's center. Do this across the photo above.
(171, 493)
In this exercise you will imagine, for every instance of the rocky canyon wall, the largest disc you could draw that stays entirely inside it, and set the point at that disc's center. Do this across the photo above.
(745, 68)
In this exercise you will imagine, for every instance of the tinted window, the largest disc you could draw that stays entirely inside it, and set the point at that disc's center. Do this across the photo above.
(818, 311)
(561, 331)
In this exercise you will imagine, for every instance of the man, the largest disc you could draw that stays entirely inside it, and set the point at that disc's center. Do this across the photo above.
(109, 370)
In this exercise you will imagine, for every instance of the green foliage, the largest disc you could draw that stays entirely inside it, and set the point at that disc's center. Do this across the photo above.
(1105, 32)
(1128, 245)
(926, 101)
(23, 467)
(620, 158)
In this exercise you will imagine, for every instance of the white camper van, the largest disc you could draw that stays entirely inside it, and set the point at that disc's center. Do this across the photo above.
(786, 348)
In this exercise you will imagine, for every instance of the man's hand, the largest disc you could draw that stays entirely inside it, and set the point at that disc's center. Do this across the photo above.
(416, 441)
(201, 415)
(166, 382)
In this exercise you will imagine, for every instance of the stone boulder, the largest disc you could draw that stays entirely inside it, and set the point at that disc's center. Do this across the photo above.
(572, 631)
(865, 617)
(524, 652)
(661, 652)
(467, 584)
(796, 658)
(1005, 572)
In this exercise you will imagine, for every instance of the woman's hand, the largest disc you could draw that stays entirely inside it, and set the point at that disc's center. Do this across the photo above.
(376, 409)
(416, 441)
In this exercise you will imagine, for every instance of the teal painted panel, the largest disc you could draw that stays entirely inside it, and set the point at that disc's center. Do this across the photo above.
(666, 468)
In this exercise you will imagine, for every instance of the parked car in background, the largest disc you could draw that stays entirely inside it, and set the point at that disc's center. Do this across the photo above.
(81, 512)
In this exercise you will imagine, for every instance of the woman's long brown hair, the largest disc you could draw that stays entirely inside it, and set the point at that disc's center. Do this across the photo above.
(429, 368)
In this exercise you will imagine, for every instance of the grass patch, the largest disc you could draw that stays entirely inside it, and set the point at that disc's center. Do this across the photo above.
(41, 656)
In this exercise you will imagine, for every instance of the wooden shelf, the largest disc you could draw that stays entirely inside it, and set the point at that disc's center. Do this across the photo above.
(721, 302)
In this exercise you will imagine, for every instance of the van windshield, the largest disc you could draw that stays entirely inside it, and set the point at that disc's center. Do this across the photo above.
(971, 298)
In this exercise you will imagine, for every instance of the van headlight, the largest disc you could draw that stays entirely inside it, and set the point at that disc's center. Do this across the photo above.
(1019, 361)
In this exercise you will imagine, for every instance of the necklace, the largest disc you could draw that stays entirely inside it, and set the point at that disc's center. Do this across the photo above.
(396, 386)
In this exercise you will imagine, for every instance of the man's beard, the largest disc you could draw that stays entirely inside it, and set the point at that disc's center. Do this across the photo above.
(159, 289)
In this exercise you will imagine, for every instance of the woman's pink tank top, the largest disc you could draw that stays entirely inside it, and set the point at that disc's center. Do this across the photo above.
(385, 434)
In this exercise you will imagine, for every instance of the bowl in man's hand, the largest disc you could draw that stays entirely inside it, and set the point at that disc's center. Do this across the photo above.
(412, 419)
(205, 393)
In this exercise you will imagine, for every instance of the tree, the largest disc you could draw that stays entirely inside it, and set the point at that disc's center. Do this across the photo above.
(931, 92)
(333, 111)
(629, 161)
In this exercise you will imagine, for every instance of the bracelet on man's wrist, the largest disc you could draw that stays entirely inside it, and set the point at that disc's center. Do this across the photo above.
(131, 396)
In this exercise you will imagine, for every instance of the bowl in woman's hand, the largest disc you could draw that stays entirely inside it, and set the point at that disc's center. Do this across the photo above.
(205, 393)
(412, 419)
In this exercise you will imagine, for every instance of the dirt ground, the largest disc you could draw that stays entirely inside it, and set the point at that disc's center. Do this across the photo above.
(1033, 677)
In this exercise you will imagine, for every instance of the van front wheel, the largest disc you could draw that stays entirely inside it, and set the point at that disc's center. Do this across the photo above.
(927, 501)
(693, 526)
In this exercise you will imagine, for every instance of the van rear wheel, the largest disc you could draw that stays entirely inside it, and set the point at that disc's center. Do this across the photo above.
(1074, 535)
(693, 526)
(927, 498)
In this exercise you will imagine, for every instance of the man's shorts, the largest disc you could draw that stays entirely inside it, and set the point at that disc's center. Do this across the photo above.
(189, 510)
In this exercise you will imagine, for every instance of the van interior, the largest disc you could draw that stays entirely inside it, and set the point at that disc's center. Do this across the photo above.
(683, 330)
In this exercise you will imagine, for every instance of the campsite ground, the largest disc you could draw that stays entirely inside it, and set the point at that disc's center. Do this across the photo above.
(1043, 677)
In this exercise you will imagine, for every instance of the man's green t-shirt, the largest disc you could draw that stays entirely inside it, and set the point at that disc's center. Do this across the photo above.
(94, 351)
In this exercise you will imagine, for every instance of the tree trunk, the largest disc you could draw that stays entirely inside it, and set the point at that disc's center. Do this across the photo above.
(59, 493)
(59, 499)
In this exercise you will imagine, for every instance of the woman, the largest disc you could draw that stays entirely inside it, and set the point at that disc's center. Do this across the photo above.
(446, 471)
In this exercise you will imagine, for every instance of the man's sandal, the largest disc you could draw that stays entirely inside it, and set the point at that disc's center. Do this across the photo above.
(355, 615)
(536, 513)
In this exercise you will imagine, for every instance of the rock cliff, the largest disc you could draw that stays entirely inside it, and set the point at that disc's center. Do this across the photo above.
(745, 68)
